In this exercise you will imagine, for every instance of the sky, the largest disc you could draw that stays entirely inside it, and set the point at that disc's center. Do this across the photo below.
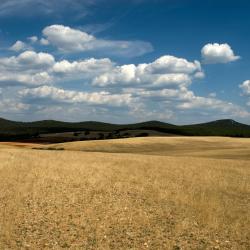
(177, 61)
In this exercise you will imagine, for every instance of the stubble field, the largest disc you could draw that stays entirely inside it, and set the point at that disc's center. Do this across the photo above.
(142, 193)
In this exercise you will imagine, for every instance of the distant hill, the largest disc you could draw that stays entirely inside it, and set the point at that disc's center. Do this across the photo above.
(225, 127)
(12, 130)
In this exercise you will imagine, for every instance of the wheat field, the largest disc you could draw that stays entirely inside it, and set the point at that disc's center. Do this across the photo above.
(142, 193)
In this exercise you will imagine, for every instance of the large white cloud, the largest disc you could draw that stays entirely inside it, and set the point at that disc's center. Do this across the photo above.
(28, 60)
(33, 59)
(68, 39)
(172, 64)
(142, 103)
(42, 68)
(33, 68)
(88, 66)
(29, 68)
(218, 53)
(157, 90)
(163, 72)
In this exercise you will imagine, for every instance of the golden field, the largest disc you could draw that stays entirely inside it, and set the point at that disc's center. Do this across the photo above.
(142, 193)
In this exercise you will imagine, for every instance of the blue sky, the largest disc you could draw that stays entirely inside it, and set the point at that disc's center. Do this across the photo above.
(125, 61)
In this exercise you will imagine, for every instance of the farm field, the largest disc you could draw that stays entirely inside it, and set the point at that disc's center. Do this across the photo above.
(136, 193)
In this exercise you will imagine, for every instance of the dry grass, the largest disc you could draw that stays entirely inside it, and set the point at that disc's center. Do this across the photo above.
(145, 193)
(210, 147)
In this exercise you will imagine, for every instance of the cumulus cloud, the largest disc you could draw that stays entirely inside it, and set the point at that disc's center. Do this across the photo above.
(19, 46)
(69, 96)
(12, 106)
(245, 87)
(172, 64)
(42, 68)
(165, 71)
(88, 66)
(198, 102)
(33, 68)
(156, 90)
(26, 79)
(183, 100)
(222, 108)
(32, 59)
(82, 70)
(218, 53)
(27, 68)
(28, 61)
(68, 39)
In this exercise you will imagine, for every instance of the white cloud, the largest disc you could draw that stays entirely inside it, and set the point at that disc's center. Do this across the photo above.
(26, 79)
(28, 60)
(32, 59)
(87, 66)
(33, 39)
(157, 90)
(44, 42)
(165, 71)
(69, 96)
(171, 64)
(199, 75)
(222, 108)
(245, 87)
(218, 53)
(27, 68)
(172, 80)
(183, 100)
(19, 46)
(41, 68)
(68, 39)
(82, 70)
(12, 106)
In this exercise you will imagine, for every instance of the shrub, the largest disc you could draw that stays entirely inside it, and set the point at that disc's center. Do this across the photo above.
(142, 135)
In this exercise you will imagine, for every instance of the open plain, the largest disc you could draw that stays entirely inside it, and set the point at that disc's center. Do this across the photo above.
(137, 193)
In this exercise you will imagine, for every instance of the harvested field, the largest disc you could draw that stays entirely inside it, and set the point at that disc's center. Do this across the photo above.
(140, 193)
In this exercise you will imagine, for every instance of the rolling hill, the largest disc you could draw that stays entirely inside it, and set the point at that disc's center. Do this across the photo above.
(13, 130)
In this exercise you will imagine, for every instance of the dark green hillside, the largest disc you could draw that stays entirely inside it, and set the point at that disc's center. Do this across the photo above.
(225, 127)
(11, 130)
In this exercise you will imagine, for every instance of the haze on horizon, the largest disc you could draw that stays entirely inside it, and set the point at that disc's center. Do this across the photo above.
(174, 61)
